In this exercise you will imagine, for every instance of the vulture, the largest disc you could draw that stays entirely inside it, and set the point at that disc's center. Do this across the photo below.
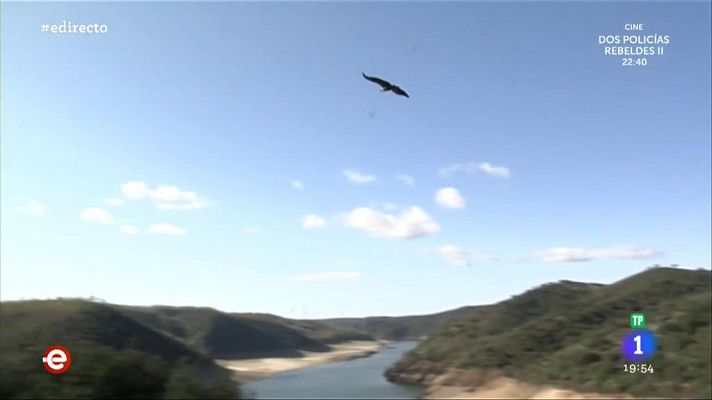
(386, 86)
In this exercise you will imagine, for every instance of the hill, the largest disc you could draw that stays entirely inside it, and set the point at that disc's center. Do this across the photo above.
(143, 352)
(567, 334)
(231, 336)
(329, 334)
(113, 356)
(399, 328)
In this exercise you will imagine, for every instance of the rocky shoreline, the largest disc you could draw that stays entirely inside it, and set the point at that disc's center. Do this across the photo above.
(452, 383)
(410, 372)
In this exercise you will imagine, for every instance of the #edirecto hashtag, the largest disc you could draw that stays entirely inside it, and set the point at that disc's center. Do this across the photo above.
(69, 27)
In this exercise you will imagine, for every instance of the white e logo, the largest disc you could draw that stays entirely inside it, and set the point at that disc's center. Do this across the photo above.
(56, 359)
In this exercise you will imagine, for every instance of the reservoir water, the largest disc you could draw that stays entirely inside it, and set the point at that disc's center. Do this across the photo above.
(358, 378)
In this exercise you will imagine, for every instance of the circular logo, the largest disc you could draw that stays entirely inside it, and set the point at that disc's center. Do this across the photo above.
(56, 359)
(638, 345)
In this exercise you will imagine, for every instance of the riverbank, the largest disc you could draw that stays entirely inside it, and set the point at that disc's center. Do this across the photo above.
(360, 378)
(454, 383)
(508, 388)
(253, 369)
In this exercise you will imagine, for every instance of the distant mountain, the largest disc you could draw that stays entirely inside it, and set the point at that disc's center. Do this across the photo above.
(113, 356)
(567, 334)
(228, 336)
(399, 328)
(329, 334)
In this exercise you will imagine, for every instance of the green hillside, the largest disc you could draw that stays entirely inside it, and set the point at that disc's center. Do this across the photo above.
(564, 333)
(143, 352)
(329, 334)
(568, 333)
(229, 336)
(399, 328)
(113, 356)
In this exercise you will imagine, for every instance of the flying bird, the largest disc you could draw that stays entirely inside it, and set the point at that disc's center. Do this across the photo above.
(386, 86)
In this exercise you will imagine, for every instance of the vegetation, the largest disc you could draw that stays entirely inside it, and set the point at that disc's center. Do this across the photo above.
(230, 336)
(399, 328)
(329, 334)
(142, 352)
(564, 333)
(568, 333)
(113, 356)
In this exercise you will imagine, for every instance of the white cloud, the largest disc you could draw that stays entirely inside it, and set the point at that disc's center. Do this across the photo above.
(449, 198)
(166, 229)
(406, 179)
(472, 167)
(96, 215)
(492, 170)
(568, 254)
(165, 197)
(129, 230)
(33, 207)
(172, 198)
(135, 190)
(358, 178)
(329, 276)
(297, 184)
(114, 202)
(454, 255)
(312, 221)
(411, 223)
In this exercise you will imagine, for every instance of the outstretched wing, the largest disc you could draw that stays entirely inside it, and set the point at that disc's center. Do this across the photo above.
(397, 90)
(381, 82)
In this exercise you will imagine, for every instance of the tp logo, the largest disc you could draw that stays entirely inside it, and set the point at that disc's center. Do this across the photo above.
(637, 320)
(56, 360)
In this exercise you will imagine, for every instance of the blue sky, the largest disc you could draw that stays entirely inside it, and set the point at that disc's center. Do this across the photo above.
(230, 155)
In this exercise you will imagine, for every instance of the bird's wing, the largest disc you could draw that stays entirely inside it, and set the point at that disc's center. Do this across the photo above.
(379, 81)
(399, 91)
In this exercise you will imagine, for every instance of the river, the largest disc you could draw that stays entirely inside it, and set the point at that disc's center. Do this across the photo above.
(358, 378)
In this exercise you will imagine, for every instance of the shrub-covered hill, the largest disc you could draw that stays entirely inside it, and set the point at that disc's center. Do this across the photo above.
(113, 356)
(330, 334)
(230, 336)
(399, 328)
(567, 334)
(143, 352)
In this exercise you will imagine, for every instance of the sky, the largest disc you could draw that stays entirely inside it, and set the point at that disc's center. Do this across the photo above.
(231, 155)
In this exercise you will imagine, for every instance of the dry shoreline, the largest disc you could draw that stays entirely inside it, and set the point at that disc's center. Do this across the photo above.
(249, 370)
(453, 383)
(448, 384)
(508, 388)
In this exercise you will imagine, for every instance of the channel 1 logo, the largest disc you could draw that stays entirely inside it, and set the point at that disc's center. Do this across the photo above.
(640, 344)
(56, 359)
